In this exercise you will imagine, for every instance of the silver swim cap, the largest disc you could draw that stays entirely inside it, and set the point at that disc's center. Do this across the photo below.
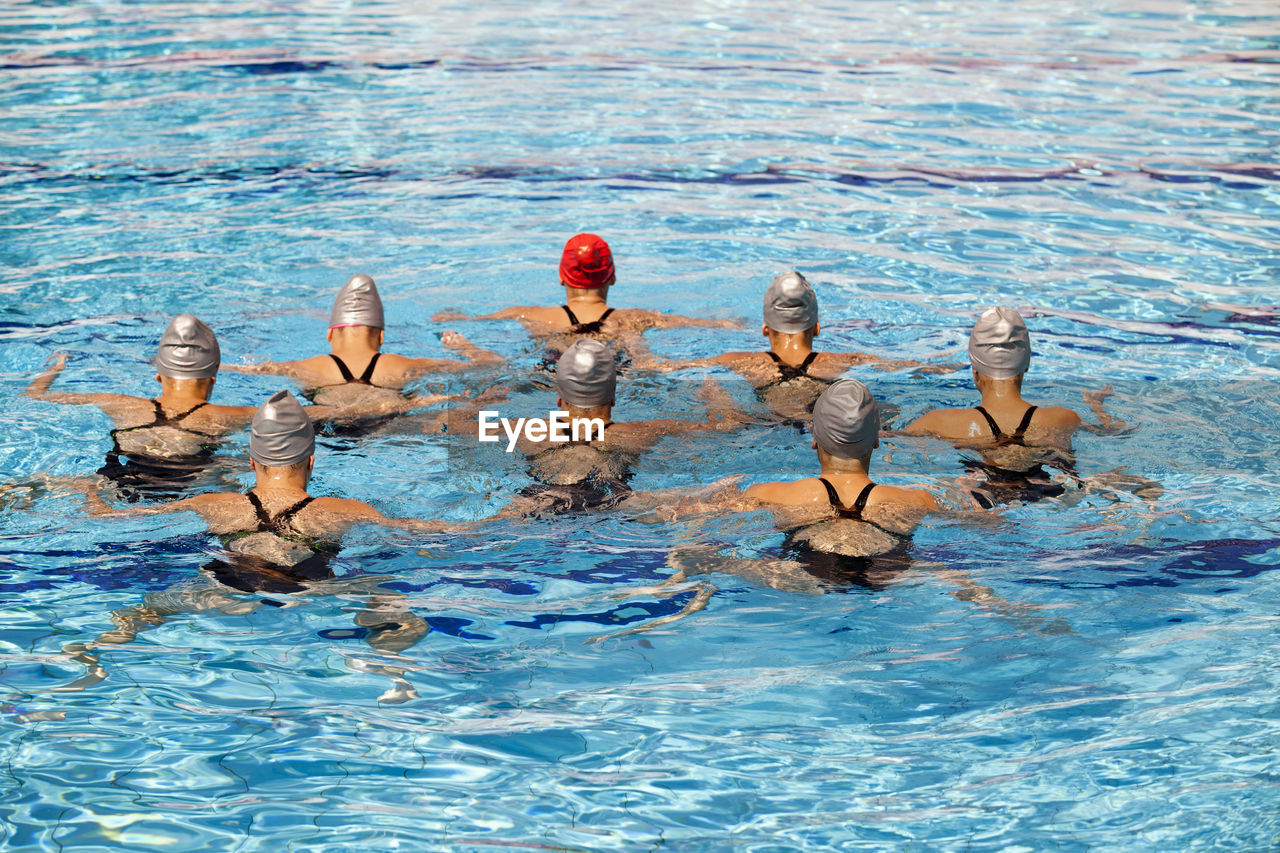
(585, 374)
(790, 305)
(846, 420)
(188, 350)
(999, 346)
(358, 304)
(282, 434)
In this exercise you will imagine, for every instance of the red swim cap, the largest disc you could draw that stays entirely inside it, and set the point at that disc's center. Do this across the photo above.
(586, 262)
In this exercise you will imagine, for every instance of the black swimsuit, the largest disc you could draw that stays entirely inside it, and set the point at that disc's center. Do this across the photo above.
(871, 572)
(251, 573)
(594, 492)
(142, 475)
(859, 503)
(364, 426)
(1017, 437)
(1006, 485)
(348, 377)
(591, 328)
(787, 372)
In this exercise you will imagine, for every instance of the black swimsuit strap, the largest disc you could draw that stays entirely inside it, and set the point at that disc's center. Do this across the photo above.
(995, 427)
(859, 503)
(999, 434)
(347, 375)
(587, 443)
(161, 419)
(791, 371)
(259, 510)
(265, 520)
(579, 326)
(1024, 423)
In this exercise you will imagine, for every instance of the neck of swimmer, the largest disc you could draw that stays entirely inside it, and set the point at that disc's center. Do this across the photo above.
(586, 297)
(357, 343)
(793, 347)
(183, 393)
(851, 470)
(1000, 393)
(288, 478)
(581, 413)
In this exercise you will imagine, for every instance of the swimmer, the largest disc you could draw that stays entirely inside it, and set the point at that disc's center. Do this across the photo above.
(1015, 438)
(587, 272)
(278, 540)
(593, 471)
(842, 527)
(356, 368)
(790, 375)
(161, 445)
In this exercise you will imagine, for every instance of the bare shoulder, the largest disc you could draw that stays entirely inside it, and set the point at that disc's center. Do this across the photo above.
(842, 360)
(795, 493)
(230, 414)
(892, 495)
(539, 314)
(347, 508)
(943, 423)
(741, 360)
(1056, 416)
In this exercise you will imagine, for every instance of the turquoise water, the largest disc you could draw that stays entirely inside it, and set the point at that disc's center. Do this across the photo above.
(1092, 673)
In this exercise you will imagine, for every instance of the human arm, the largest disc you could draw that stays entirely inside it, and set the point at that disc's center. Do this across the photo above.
(375, 406)
(660, 320)
(96, 506)
(515, 312)
(643, 358)
(309, 371)
(472, 356)
(114, 405)
(1108, 424)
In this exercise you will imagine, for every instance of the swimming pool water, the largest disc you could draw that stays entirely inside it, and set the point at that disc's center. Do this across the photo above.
(1087, 674)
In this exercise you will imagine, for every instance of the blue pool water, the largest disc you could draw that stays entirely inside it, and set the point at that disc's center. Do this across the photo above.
(1095, 673)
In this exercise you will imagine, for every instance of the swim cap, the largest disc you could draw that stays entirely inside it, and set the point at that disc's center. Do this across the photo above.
(999, 346)
(790, 305)
(585, 374)
(358, 304)
(846, 420)
(586, 262)
(282, 434)
(188, 350)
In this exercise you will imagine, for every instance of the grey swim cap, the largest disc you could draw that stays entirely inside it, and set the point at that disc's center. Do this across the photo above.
(846, 420)
(282, 434)
(999, 346)
(188, 350)
(585, 374)
(358, 304)
(790, 305)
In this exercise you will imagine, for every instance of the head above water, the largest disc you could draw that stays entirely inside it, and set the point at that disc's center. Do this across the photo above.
(790, 305)
(586, 262)
(188, 350)
(357, 304)
(999, 346)
(585, 374)
(282, 434)
(846, 420)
